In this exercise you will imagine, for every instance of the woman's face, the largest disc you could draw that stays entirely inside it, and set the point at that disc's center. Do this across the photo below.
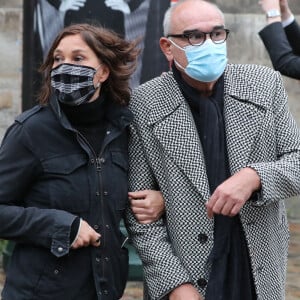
(73, 50)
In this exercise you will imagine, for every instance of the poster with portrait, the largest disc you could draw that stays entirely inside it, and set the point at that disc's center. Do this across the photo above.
(132, 19)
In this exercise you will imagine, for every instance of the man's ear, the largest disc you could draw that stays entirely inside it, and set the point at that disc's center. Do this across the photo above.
(165, 45)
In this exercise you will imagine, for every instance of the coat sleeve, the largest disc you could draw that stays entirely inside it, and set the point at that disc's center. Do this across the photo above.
(293, 34)
(162, 268)
(19, 169)
(280, 177)
(280, 51)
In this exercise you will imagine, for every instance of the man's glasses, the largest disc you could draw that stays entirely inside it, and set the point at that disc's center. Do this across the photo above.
(197, 38)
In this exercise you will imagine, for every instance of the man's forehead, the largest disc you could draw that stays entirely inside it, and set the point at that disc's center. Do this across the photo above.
(197, 24)
(196, 15)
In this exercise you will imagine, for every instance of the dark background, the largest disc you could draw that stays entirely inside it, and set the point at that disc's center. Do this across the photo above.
(152, 60)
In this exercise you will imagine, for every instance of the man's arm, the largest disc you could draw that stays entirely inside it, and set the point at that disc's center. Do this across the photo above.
(291, 27)
(280, 51)
(280, 177)
(292, 32)
(281, 43)
(163, 270)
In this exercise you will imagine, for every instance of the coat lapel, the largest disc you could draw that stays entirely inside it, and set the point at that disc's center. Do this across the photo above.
(174, 128)
(243, 113)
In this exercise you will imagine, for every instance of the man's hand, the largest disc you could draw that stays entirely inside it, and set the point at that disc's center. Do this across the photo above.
(230, 196)
(268, 5)
(285, 9)
(184, 292)
(148, 205)
(86, 236)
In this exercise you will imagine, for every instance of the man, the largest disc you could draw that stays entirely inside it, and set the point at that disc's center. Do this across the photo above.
(281, 37)
(219, 142)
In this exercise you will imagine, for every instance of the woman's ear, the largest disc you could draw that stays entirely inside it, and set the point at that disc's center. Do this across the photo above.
(102, 73)
(165, 46)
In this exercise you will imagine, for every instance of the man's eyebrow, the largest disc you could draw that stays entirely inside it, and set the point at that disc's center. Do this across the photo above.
(190, 31)
(197, 30)
(218, 27)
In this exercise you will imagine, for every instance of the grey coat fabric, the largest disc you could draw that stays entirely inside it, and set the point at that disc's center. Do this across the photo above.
(166, 154)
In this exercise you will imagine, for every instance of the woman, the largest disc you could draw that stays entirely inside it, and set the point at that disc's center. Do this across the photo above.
(63, 173)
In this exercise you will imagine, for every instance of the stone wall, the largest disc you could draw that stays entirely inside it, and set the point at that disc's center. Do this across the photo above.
(243, 17)
(10, 61)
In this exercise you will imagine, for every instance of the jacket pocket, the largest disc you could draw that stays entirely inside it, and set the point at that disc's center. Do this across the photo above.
(66, 180)
(120, 159)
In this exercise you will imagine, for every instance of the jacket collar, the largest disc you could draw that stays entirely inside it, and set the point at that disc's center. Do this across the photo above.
(117, 115)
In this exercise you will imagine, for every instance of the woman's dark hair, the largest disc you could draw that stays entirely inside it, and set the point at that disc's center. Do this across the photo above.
(119, 55)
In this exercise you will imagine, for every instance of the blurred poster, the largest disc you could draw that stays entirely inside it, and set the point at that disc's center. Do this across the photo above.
(132, 19)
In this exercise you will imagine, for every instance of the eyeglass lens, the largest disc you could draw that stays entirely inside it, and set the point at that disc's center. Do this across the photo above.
(198, 37)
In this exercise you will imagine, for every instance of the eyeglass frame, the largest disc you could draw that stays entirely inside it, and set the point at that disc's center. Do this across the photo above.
(186, 35)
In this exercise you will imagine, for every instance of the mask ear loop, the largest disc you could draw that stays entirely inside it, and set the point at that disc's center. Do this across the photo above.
(175, 61)
(98, 85)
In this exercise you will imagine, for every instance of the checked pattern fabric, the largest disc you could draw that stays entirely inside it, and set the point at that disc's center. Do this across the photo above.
(166, 154)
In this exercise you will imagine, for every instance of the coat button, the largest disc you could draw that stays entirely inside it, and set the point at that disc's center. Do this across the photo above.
(102, 160)
(105, 292)
(202, 238)
(60, 249)
(97, 259)
(105, 193)
(56, 271)
(202, 282)
(96, 227)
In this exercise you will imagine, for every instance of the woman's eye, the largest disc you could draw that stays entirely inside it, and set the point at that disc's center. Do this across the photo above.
(57, 59)
(78, 58)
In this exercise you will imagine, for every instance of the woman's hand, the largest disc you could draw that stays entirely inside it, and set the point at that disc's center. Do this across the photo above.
(185, 291)
(148, 205)
(86, 236)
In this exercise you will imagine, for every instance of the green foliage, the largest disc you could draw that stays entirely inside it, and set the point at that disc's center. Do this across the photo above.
(2, 245)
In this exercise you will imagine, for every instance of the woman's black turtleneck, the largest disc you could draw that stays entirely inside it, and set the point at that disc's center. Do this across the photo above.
(89, 119)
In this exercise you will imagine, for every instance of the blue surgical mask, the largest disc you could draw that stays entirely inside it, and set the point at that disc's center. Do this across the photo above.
(207, 62)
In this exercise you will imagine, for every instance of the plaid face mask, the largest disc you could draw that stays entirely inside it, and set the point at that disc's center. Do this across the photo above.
(73, 84)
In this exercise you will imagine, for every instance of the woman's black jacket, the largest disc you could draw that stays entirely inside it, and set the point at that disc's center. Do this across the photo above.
(49, 175)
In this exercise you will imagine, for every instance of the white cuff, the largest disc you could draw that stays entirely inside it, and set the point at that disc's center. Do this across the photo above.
(288, 21)
(76, 234)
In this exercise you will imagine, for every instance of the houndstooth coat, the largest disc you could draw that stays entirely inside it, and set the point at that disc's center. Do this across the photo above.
(166, 154)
